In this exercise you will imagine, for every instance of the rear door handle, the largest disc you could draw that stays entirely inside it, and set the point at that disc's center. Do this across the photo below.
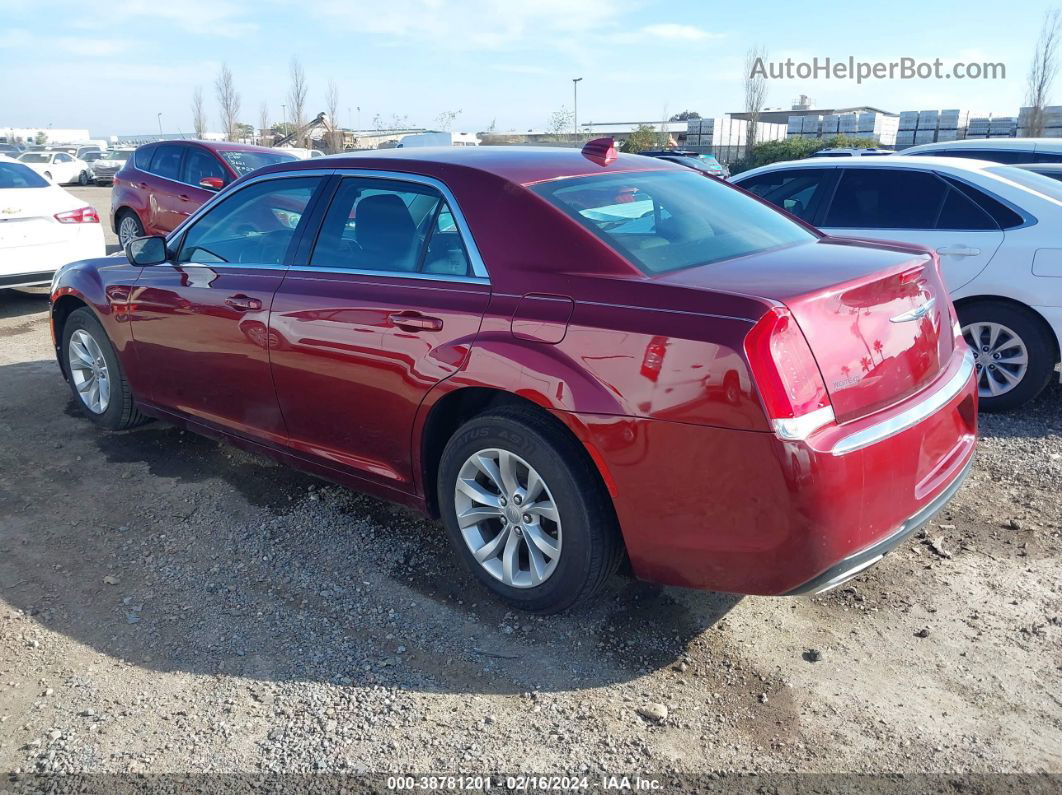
(415, 321)
(183, 197)
(958, 250)
(243, 303)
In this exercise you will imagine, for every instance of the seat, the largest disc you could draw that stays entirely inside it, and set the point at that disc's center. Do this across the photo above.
(385, 233)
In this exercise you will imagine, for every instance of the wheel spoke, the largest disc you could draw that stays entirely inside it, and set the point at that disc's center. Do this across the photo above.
(80, 351)
(477, 514)
(993, 336)
(537, 565)
(510, 558)
(545, 509)
(488, 467)
(1008, 376)
(993, 384)
(490, 549)
(476, 492)
(540, 541)
(1019, 356)
(534, 486)
(507, 467)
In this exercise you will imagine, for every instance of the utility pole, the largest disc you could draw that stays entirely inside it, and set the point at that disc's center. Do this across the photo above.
(160, 124)
(575, 104)
(284, 115)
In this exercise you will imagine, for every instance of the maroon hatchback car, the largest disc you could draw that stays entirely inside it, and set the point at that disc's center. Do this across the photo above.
(165, 182)
(570, 357)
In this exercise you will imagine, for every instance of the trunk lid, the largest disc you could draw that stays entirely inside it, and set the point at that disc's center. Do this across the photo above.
(876, 315)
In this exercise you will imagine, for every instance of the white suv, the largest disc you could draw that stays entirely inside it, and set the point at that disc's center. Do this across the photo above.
(998, 150)
(995, 228)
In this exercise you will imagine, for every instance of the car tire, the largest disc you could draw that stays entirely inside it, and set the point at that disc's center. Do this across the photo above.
(129, 227)
(87, 354)
(83, 179)
(1000, 333)
(584, 534)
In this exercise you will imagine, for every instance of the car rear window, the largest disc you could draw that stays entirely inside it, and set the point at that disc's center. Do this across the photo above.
(246, 162)
(15, 175)
(667, 221)
(33, 157)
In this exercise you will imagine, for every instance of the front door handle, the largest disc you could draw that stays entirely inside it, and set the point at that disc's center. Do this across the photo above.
(958, 250)
(243, 303)
(183, 197)
(415, 321)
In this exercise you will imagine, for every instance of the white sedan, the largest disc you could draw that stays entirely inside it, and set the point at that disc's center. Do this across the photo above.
(58, 167)
(997, 231)
(42, 227)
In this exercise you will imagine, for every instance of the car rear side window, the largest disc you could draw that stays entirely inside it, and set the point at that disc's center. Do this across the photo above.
(886, 198)
(142, 157)
(959, 212)
(254, 226)
(390, 226)
(166, 162)
(200, 164)
(799, 191)
(669, 220)
(1004, 216)
(1048, 157)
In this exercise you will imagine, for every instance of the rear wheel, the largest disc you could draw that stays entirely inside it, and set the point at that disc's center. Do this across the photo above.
(95, 374)
(129, 227)
(83, 178)
(1014, 354)
(526, 511)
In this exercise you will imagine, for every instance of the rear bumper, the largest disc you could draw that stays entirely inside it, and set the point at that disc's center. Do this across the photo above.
(23, 266)
(858, 562)
(747, 512)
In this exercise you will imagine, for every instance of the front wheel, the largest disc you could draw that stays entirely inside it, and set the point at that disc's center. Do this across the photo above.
(83, 178)
(1013, 353)
(527, 512)
(95, 374)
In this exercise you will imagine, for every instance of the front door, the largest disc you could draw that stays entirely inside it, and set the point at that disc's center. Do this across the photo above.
(388, 305)
(200, 322)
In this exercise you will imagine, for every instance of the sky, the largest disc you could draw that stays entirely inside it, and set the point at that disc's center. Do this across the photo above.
(112, 67)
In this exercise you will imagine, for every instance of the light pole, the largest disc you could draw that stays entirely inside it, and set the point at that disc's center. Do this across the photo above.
(160, 124)
(575, 104)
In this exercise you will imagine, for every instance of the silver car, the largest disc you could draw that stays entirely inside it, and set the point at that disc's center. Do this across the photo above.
(104, 169)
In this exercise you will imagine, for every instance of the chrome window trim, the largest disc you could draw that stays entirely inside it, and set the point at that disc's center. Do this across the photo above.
(479, 268)
(913, 415)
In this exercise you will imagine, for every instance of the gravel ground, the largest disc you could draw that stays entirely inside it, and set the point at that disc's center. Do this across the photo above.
(169, 604)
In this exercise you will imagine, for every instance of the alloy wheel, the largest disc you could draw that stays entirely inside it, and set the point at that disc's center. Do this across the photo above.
(128, 230)
(1000, 356)
(88, 369)
(508, 518)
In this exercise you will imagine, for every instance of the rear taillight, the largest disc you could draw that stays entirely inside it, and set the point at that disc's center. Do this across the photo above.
(794, 394)
(82, 215)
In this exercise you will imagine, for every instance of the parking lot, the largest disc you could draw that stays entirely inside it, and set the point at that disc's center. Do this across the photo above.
(171, 604)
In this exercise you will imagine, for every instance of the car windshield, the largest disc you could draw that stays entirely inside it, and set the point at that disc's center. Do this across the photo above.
(1027, 179)
(118, 154)
(36, 157)
(15, 175)
(246, 162)
(667, 221)
(711, 160)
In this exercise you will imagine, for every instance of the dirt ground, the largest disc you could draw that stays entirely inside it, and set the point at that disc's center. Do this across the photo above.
(169, 604)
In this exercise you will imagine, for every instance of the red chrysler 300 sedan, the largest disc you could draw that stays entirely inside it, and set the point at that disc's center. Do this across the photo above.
(567, 356)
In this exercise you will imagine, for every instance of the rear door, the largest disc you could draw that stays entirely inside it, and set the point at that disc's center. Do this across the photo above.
(200, 321)
(165, 208)
(914, 206)
(386, 306)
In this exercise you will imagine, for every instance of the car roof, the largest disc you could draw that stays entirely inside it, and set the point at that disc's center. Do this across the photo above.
(1037, 166)
(1039, 144)
(217, 146)
(889, 161)
(523, 165)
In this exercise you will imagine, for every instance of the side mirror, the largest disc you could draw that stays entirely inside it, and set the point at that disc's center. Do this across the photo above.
(212, 183)
(146, 250)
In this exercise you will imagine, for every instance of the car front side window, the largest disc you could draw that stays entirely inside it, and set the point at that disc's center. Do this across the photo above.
(254, 226)
(799, 191)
